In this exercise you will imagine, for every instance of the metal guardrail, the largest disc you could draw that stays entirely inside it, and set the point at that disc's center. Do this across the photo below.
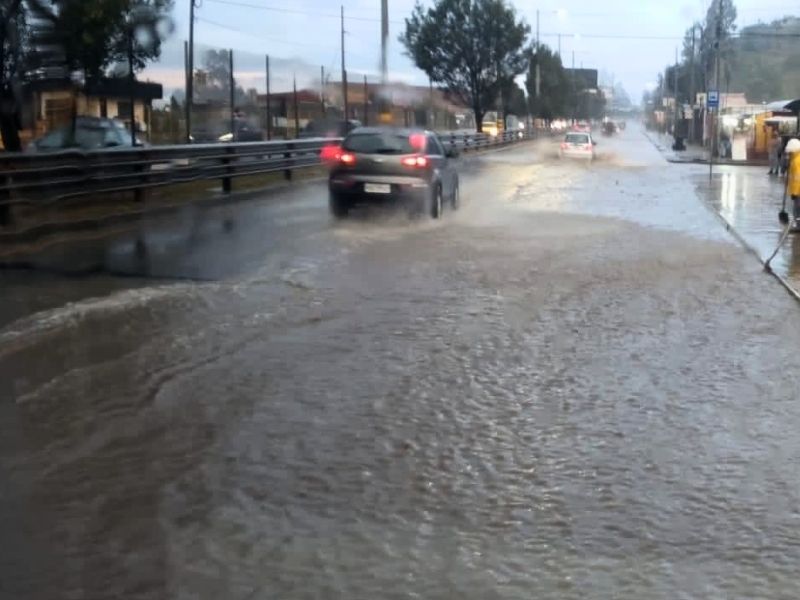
(45, 179)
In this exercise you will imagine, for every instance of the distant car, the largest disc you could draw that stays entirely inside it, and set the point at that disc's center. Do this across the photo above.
(327, 128)
(609, 128)
(91, 133)
(407, 167)
(577, 145)
(244, 133)
(582, 126)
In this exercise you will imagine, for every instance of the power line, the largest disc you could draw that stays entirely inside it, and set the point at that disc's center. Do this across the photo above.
(258, 37)
(295, 11)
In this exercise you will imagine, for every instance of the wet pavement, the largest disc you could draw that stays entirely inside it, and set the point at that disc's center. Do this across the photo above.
(577, 386)
(750, 200)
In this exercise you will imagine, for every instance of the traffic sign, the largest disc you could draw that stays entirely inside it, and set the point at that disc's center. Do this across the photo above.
(712, 100)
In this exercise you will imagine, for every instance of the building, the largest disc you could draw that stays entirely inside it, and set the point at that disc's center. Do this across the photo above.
(48, 102)
(408, 105)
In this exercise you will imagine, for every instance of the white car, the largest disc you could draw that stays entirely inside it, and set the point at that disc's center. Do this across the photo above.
(577, 144)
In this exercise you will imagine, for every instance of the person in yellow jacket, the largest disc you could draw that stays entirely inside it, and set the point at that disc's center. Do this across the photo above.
(793, 181)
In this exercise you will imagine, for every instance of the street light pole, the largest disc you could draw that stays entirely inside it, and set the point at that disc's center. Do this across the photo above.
(344, 74)
(675, 86)
(190, 77)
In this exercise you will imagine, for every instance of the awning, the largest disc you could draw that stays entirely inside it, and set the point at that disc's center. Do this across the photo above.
(792, 106)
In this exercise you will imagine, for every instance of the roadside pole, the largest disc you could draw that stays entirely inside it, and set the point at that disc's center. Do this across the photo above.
(269, 113)
(715, 120)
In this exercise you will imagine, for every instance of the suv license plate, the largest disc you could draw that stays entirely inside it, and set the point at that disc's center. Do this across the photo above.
(377, 188)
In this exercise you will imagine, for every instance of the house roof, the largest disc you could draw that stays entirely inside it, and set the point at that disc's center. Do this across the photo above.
(792, 106)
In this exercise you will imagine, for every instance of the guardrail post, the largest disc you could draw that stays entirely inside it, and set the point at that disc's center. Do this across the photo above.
(227, 181)
(138, 192)
(5, 209)
(287, 173)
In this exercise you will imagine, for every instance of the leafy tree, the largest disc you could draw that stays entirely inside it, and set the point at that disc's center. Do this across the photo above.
(471, 47)
(96, 34)
(213, 81)
(591, 104)
(554, 85)
(513, 99)
(720, 25)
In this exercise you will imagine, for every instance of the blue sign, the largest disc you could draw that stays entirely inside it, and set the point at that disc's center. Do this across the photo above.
(712, 99)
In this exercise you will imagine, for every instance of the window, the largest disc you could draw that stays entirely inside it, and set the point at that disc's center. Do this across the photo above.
(378, 143)
(434, 147)
(577, 138)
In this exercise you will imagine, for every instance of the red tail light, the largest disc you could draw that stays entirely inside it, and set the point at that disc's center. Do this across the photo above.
(347, 158)
(415, 161)
(330, 153)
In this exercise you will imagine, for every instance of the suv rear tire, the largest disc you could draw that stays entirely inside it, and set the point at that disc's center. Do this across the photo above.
(338, 206)
(437, 202)
(455, 201)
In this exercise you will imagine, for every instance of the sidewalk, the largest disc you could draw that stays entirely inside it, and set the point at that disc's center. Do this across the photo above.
(748, 201)
(693, 154)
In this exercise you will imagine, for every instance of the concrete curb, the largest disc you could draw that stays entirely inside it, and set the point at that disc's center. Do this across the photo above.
(794, 293)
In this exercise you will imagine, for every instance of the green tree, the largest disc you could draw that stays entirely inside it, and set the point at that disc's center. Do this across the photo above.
(513, 98)
(96, 34)
(717, 39)
(554, 85)
(470, 47)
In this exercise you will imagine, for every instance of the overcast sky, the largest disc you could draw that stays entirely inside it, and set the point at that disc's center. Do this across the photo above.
(302, 35)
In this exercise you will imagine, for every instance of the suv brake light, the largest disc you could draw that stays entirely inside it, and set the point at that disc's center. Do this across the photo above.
(415, 161)
(330, 153)
(347, 158)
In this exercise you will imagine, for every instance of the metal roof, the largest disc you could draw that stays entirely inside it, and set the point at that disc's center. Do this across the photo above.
(792, 106)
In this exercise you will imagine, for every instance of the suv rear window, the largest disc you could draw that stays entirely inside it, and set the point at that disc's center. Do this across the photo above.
(577, 138)
(378, 143)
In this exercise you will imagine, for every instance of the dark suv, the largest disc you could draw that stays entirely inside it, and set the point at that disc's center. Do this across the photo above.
(400, 166)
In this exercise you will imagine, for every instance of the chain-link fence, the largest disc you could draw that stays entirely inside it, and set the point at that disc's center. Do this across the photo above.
(243, 96)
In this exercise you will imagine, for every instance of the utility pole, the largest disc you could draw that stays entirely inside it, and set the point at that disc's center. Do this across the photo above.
(190, 79)
(692, 84)
(296, 112)
(131, 83)
(344, 74)
(269, 101)
(366, 101)
(675, 88)
(538, 71)
(574, 93)
(322, 90)
(187, 85)
(232, 83)
(715, 121)
(432, 124)
(384, 103)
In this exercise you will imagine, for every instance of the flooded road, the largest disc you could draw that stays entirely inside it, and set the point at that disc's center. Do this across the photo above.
(577, 386)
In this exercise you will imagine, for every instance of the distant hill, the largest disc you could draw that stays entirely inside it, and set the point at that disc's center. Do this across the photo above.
(766, 61)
